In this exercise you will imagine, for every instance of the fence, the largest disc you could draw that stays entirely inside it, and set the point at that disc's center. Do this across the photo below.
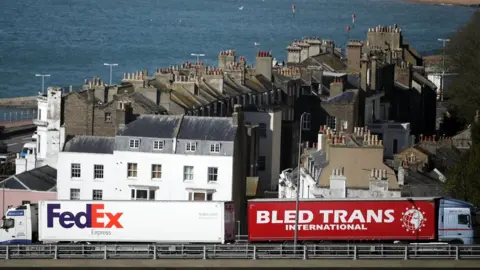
(251, 252)
(19, 115)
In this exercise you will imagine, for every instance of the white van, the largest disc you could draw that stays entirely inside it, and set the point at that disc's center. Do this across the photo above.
(29, 148)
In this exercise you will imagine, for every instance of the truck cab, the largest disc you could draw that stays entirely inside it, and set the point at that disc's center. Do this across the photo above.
(29, 148)
(19, 225)
(456, 222)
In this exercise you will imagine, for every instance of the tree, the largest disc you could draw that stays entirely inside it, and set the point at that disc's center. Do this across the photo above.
(463, 58)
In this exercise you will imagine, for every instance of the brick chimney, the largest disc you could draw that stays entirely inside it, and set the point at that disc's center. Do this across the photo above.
(403, 73)
(264, 64)
(338, 183)
(354, 55)
(337, 87)
(237, 115)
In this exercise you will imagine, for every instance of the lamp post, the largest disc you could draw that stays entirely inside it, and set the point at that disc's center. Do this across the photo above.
(111, 66)
(444, 41)
(43, 79)
(297, 200)
(198, 55)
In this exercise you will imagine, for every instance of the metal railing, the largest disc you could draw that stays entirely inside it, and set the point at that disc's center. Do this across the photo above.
(247, 251)
(19, 115)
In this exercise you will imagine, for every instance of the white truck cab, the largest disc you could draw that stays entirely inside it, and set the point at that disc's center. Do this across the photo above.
(29, 148)
(20, 225)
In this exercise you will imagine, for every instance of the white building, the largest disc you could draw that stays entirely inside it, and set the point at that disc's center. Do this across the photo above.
(342, 166)
(158, 157)
(395, 136)
(270, 128)
(50, 134)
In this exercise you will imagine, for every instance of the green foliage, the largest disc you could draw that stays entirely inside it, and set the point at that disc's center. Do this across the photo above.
(463, 178)
(463, 58)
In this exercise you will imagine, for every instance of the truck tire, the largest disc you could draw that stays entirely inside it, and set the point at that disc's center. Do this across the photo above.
(456, 242)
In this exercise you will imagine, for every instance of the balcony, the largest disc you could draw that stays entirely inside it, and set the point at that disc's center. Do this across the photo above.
(40, 123)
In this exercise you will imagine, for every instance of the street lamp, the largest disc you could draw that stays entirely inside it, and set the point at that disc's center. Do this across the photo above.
(198, 55)
(43, 79)
(111, 66)
(444, 41)
(297, 200)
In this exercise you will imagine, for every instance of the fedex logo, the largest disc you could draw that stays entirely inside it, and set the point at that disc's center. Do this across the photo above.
(92, 217)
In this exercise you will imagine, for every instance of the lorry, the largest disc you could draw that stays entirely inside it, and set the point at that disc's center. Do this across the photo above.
(119, 222)
(397, 220)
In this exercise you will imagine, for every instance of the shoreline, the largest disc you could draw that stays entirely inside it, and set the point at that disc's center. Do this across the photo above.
(465, 3)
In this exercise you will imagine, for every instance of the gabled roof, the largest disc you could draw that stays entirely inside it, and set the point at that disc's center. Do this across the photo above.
(145, 103)
(181, 127)
(90, 144)
(39, 179)
(207, 129)
(348, 96)
(152, 126)
(424, 81)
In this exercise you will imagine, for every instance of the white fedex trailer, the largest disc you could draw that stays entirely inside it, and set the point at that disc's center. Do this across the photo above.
(121, 222)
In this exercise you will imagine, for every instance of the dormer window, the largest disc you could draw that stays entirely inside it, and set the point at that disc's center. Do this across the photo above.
(134, 143)
(215, 148)
(158, 145)
(191, 147)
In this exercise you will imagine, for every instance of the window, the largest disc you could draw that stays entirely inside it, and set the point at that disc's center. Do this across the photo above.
(332, 122)
(215, 148)
(143, 194)
(74, 194)
(158, 145)
(307, 121)
(464, 219)
(212, 174)
(200, 196)
(134, 143)
(97, 195)
(132, 170)
(395, 146)
(263, 129)
(261, 163)
(39, 114)
(187, 173)
(156, 171)
(98, 171)
(108, 117)
(120, 105)
(191, 147)
(75, 171)
(25, 202)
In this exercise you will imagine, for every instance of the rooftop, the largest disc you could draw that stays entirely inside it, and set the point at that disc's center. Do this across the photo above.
(90, 144)
(39, 179)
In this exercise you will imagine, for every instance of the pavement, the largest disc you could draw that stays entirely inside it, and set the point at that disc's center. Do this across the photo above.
(15, 144)
(276, 263)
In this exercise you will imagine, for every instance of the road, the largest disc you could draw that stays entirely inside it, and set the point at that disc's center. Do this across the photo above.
(242, 263)
(15, 144)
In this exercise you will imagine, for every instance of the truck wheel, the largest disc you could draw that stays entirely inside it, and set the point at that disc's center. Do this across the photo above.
(456, 242)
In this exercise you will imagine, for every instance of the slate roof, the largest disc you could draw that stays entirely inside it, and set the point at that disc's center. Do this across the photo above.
(90, 144)
(152, 126)
(146, 103)
(421, 79)
(39, 179)
(345, 97)
(207, 128)
(181, 127)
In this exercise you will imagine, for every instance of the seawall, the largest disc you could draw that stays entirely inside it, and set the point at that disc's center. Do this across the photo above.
(469, 3)
(19, 102)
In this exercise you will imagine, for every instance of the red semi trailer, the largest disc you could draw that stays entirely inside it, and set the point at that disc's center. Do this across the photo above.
(395, 219)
